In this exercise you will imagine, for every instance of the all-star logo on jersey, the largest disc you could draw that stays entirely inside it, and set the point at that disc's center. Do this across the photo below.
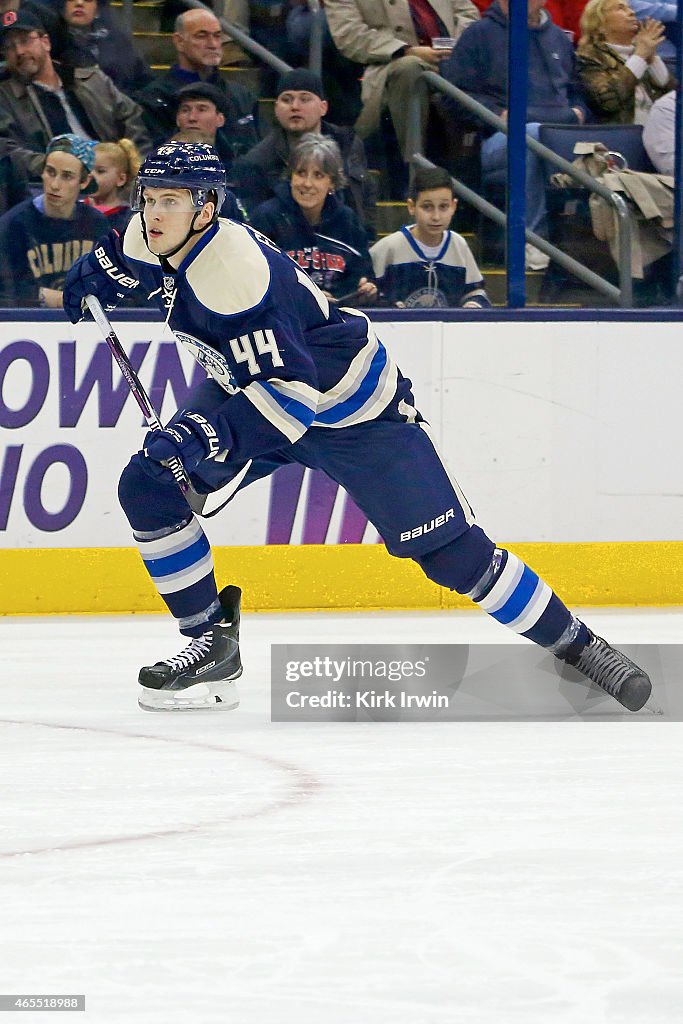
(215, 364)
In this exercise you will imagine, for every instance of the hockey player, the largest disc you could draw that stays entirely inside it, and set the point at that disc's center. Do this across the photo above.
(292, 379)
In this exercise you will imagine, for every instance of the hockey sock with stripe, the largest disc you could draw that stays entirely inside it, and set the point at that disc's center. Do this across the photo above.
(516, 597)
(180, 563)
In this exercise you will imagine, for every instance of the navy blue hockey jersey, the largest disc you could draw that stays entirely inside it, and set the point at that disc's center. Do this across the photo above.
(256, 322)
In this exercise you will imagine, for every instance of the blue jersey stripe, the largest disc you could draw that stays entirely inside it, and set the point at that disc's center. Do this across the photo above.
(519, 598)
(361, 395)
(298, 410)
(179, 561)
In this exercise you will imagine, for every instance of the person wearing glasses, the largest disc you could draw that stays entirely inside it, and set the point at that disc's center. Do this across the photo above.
(40, 98)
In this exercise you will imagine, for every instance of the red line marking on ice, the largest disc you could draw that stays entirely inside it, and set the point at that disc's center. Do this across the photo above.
(304, 785)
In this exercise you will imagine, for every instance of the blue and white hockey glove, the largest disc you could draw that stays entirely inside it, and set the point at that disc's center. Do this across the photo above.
(191, 438)
(101, 272)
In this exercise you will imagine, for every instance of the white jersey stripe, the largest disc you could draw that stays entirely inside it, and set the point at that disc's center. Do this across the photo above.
(352, 379)
(409, 411)
(375, 403)
(292, 428)
(297, 390)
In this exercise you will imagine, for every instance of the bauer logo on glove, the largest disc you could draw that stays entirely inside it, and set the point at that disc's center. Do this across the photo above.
(85, 277)
(190, 438)
(209, 431)
(112, 271)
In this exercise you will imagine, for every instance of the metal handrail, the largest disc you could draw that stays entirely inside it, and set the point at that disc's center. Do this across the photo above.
(128, 16)
(315, 38)
(624, 293)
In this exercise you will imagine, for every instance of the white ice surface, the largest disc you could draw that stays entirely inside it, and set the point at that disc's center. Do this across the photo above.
(182, 869)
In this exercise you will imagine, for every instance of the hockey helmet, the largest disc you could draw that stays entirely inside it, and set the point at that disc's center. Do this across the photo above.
(194, 166)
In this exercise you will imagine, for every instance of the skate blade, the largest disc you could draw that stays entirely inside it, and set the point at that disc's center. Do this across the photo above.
(200, 697)
(652, 706)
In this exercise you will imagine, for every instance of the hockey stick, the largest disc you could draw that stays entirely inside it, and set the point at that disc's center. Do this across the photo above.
(349, 297)
(195, 500)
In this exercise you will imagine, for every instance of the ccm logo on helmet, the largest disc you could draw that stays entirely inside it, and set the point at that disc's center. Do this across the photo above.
(113, 271)
(433, 524)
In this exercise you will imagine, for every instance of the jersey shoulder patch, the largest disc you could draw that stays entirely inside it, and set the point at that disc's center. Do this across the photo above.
(231, 275)
(134, 245)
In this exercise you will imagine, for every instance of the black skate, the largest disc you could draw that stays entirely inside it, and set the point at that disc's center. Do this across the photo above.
(203, 674)
(614, 673)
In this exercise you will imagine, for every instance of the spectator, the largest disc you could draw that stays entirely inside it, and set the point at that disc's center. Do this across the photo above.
(42, 237)
(198, 40)
(564, 13)
(617, 61)
(659, 133)
(40, 99)
(13, 183)
(232, 207)
(88, 39)
(202, 107)
(300, 108)
(478, 66)
(116, 167)
(667, 13)
(425, 263)
(44, 12)
(233, 54)
(392, 39)
(194, 135)
(341, 77)
(308, 221)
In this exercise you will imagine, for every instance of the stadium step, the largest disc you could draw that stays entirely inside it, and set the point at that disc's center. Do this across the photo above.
(571, 295)
(146, 15)
(247, 77)
(391, 216)
(266, 113)
(495, 279)
(155, 47)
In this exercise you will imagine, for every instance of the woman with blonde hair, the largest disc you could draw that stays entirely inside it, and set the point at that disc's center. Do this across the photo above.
(617, 62)
(116, 167)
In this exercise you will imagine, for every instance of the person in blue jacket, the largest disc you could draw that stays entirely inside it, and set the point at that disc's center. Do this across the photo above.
(308, 220)
(292, 378)
(478, 65)
(42, 237)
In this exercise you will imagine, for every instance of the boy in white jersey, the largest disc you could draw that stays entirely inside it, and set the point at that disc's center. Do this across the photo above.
(425, 263)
